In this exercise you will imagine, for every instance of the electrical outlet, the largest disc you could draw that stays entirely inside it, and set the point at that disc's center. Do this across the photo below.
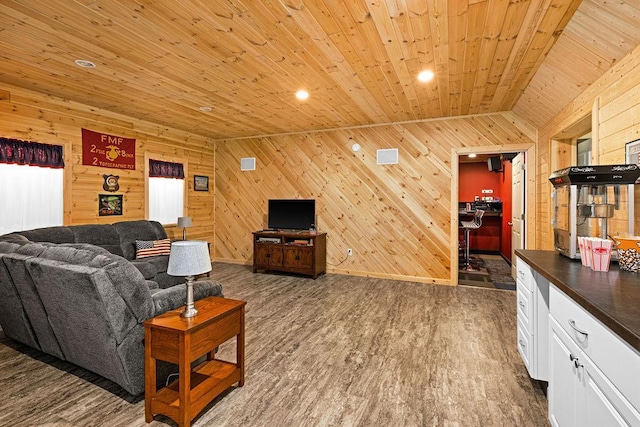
(349, 252)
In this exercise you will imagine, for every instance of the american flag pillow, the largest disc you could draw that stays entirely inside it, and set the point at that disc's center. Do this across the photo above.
(147, 248)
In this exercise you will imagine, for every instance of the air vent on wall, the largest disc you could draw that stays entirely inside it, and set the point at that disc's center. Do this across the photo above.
(388, 156)
(248, 164)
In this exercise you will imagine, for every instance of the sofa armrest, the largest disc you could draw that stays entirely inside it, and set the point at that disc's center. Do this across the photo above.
(176, 296)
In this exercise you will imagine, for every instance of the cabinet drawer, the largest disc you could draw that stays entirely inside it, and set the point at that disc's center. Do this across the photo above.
(524, 345)
(619, 362)
(524, 274)
(525, 305)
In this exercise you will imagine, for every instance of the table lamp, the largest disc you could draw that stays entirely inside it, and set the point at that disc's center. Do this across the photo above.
(184, 222)
(189, 258)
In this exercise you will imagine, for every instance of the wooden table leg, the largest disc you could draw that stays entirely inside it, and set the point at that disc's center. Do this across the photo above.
(184, 411)
(240, 349)
(149, 376)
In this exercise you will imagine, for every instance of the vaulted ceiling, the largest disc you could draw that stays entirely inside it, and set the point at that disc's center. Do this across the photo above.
(161, 61)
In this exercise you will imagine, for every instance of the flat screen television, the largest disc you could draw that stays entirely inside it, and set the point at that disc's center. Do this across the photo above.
(291, 214)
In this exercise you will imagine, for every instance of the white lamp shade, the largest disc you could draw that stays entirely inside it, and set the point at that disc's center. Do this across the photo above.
(189, 258)
(184, 221)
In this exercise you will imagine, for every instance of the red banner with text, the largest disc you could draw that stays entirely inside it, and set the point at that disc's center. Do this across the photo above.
(108, 151)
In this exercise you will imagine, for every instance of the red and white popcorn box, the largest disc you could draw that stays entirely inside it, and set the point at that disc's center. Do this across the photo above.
(601, 250)
(588, 254)
(583, 254)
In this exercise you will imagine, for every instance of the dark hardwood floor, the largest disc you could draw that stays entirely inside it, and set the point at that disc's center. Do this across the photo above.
(336, 351)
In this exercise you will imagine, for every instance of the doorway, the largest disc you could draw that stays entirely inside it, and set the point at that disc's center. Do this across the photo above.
(501, 221)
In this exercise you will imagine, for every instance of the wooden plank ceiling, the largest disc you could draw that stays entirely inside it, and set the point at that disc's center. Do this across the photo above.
(161, 60)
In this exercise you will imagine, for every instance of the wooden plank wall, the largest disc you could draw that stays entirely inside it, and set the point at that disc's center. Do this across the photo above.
(396, 218)
(30, 116)
(614, 103)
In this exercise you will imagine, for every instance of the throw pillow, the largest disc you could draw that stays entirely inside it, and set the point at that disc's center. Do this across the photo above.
(147, 248)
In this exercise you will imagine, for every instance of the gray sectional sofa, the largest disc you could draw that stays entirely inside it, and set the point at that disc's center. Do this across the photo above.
(84, 303)
(118, 238)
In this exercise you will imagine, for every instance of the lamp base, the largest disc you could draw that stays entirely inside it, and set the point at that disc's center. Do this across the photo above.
(190, 309)
(189, 312)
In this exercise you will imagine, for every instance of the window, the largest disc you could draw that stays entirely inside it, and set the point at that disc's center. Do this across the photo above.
(166, 199)
(165, 191)
(31, 197)
(32, 177)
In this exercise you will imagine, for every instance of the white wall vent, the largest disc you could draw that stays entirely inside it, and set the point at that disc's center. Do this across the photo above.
(388, 156)
(248, 164)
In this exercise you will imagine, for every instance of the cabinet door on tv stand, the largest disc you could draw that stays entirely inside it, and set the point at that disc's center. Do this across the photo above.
(267, 256)
(298, 258)
(276, 257)
(305, 258)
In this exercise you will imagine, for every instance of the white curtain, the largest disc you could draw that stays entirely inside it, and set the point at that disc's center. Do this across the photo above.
(166, 199)
(30, 197)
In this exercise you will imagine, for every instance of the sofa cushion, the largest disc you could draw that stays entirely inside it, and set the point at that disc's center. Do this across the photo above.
(86, 314)
(50, 234)
(127, 281)
(146, 268)
(130, 231)
(13, 317)
(152, 248)
(13, 237)
(103, 235)
(38, 320)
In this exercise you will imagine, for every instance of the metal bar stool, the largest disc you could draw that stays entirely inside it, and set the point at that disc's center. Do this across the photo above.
(467, 226)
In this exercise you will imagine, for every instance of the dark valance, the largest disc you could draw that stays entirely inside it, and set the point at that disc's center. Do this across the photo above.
(30, 153)
(158, 169)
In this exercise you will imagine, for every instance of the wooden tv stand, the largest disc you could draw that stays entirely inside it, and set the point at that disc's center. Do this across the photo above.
(290, 251)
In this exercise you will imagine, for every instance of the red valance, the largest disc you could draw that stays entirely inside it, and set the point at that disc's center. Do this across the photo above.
(158, 169)
(30, 153)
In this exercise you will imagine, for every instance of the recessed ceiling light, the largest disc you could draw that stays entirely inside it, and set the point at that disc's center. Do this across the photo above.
(473, 155)
(302, 94)
(84, 63)
(205, 109)
(425, 76)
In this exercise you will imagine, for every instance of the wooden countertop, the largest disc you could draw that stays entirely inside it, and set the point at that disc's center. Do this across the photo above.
(612, 297)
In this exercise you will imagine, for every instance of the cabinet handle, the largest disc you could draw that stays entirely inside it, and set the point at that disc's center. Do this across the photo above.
(572, 323)
(521, 304)
(522, 344)
(575, 361)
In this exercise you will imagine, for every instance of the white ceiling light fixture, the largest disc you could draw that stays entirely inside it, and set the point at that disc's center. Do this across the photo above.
(302, 94)
(84, 63)
(205, 109)
(426, 76)
(473, 155)
(355, 147)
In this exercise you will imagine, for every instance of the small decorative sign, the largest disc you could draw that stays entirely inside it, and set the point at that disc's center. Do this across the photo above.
(111, 183)
(200, 183)
(109, 204)
(108, 151)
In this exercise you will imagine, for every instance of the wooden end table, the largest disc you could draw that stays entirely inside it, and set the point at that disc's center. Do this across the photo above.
(174, 339)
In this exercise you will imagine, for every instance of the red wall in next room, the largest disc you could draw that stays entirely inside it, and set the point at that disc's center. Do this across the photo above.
(475, 177)
(506, 191)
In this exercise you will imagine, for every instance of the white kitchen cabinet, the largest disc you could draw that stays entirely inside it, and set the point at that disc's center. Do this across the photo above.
(533, 320)
(581, 392)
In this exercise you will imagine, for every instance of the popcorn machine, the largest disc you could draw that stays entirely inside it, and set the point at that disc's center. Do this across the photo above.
(592, 201)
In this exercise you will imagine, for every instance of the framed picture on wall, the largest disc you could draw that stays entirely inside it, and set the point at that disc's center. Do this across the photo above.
(632, 151)
(109, 204)
(200, 183)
